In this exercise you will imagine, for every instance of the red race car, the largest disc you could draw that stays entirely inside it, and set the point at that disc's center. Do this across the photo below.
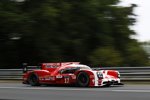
(70, 73)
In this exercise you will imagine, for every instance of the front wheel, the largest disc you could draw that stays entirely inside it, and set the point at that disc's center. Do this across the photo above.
(83, 79)
(33, 80)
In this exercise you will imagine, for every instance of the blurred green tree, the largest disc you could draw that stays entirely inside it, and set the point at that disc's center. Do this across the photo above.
(106, 56)
(14, 26)
(9, 20)
(136, 55)
(90, 31)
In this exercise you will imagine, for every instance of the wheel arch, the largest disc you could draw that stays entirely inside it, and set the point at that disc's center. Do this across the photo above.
(38, 73)
(90, 74)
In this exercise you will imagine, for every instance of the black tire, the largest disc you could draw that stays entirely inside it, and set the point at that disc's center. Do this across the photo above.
(33, 80)
(83, 79)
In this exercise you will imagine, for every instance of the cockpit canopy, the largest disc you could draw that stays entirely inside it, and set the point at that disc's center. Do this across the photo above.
(74, 67)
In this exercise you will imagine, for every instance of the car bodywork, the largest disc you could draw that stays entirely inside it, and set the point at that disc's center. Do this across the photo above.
(70, 73)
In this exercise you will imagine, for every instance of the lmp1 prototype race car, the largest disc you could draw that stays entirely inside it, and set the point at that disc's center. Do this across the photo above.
(70, 73)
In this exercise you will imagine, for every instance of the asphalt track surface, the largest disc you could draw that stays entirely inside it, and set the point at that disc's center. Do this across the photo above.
(18, 91)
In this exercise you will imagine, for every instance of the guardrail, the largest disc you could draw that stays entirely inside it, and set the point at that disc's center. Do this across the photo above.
(11, 74)
(127, 73)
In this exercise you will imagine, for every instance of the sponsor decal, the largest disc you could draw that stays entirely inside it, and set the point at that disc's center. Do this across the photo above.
(73, 77)
(41, 78)
(59, 76)
(66, 80)
(52, 78)
(47, 77)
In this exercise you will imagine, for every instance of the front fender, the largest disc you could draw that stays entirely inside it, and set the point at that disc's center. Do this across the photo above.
(91, 76)
(113, 73)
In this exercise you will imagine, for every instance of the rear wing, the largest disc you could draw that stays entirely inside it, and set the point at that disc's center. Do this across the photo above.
(45, 65)
(26, 67)
(59, 64)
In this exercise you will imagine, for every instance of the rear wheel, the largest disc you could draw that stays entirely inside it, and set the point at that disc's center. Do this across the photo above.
(33, 80)
(83, 79)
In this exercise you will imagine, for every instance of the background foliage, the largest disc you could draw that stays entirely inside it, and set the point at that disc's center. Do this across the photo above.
(94, 32)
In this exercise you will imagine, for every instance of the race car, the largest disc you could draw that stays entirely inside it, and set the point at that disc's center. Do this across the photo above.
(70, 73)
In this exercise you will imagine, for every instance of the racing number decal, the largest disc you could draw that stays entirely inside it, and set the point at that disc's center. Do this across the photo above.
(66, 79)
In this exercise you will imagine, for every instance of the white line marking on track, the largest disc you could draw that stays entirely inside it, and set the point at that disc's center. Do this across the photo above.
(148, 91)
(75, 89)
(53, 88)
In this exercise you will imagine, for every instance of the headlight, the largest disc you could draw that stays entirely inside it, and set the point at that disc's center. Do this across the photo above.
(99, 75)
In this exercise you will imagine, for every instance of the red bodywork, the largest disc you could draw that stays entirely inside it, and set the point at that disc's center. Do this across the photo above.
(70, 73)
